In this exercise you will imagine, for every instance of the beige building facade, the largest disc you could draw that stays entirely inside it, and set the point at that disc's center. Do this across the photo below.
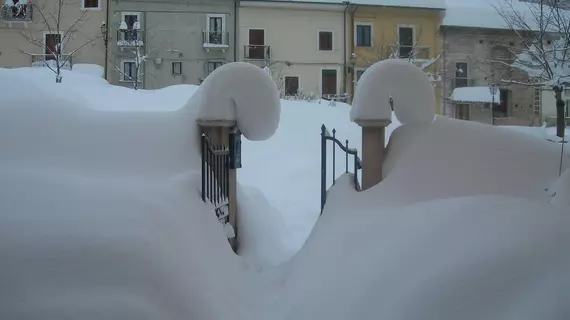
(302, 44)
(30, 35)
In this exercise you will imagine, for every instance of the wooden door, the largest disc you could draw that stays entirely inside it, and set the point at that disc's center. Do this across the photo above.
(462, 111)
(256, 44)
(52, 45)
(329, 82)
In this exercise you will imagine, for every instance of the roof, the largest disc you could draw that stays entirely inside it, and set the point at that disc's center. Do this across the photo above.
(428, 4)
(474, 95)
(483, 13)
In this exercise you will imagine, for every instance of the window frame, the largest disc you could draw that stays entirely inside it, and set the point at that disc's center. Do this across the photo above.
(122, 73)
(285, 85)
(364, 24)
(98, 7)
(214, 62)
(177, 63)
(331, 32)
(455, 77)
(138, 14)
(414, 38)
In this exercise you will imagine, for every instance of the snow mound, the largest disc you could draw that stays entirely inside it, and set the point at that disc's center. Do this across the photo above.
(244, 93)
(453, 158)
(89, 69)
(410, 89)
(57, 127)
(561, 191)
(470, 258)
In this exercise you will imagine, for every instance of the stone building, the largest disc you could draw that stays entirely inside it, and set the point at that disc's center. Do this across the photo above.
(476, 55)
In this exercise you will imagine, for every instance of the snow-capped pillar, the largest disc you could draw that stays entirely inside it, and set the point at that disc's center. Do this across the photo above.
(373, 150)
(218, 132)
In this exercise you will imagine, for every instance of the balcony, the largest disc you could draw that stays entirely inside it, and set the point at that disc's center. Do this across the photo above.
(215, 40)
(257, 52)
(406, 52)
(16, 12)
(49, 60)
(129, 38)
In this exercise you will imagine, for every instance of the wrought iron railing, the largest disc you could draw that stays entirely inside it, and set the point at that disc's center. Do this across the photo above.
(257, 52)
(215, 172)
(326, 136)
(52, 61)
(130, 38)
(215, 38)
(414, 52)
(16, 12)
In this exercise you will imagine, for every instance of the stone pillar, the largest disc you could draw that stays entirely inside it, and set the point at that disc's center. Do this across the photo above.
(373, 151)
(219, 133)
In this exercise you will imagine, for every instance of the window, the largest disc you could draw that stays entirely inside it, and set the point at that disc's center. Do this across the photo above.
(129, 71)
(213, 65)
(215, 29)
(131, 19)
(405, 41)
(328, 82)
(90, 4)
(177, 67)
(325, 40)
(461, 75)
(52, 45)
(359, 74)
(291, 86)
(363, 35)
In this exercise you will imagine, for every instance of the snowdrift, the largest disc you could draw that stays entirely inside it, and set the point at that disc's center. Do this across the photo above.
(100, 218)
(487, 257)
(243, 93)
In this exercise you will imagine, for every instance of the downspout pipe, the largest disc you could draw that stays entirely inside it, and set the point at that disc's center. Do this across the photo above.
(235, 29)
(344, 82)
(106, 64)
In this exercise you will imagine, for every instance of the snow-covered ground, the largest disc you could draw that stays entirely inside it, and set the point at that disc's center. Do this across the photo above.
(100, 216)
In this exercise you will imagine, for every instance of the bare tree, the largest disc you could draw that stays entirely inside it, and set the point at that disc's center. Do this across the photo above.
(275, 70)
(543, 27)
(57, 53)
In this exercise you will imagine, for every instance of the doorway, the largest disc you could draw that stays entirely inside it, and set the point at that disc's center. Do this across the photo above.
(329, 82)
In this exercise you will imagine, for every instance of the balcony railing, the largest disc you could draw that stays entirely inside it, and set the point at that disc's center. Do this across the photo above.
(257, 52)
(129, 38)
(213, 39)
(414, 52)
(50, 60)
(16, 12)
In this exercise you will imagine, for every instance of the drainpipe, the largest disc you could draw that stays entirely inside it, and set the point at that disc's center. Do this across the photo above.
(344, 82)
(106, 65)
(235, 29)
(443, 80)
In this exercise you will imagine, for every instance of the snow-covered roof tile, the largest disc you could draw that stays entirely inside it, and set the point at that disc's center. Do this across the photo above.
(430, 4)
(482, 13)
(474, 95)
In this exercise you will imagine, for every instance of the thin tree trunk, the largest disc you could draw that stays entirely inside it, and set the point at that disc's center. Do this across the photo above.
(560, 119)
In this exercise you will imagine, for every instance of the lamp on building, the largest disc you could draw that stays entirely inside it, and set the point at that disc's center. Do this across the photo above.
(493, 88)
(351, 62)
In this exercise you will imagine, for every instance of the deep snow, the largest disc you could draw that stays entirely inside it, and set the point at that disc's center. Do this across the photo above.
(85, 235)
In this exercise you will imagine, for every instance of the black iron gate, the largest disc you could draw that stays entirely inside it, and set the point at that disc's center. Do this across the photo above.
(326, 136)
(216, 176)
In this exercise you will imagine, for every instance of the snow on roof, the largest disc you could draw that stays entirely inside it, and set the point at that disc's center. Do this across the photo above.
(430, 4)
(482, 13)
(474, 94)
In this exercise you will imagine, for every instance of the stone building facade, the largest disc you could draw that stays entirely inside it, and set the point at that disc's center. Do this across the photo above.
(478, 57)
